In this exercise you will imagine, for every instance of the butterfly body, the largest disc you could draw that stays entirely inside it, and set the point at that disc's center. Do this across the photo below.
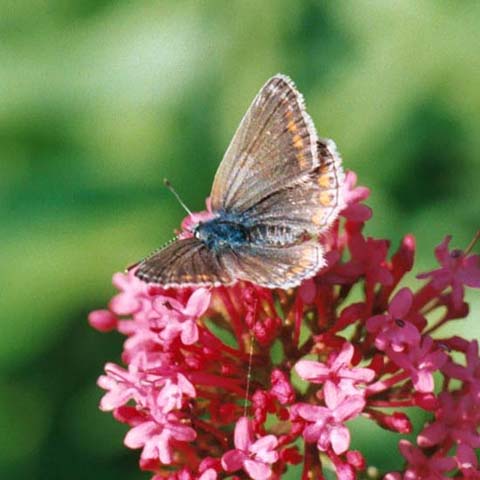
(232, 231)
(222, 232)
(276, 190)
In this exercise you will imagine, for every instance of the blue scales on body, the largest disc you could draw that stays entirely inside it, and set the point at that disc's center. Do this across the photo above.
(231, 231)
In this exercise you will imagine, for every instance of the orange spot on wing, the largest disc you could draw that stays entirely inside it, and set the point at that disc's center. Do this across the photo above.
(297, 142)
(292, 126)
(301, 161)
(325, 198)
(317, 219)
(324, 169)
(324, 181)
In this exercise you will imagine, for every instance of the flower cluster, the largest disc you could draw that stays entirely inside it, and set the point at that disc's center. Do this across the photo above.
(245, 382)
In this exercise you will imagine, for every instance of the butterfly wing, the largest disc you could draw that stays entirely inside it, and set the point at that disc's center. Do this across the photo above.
(275, 146)
(310, 206)
(183, 263)
(275, 267)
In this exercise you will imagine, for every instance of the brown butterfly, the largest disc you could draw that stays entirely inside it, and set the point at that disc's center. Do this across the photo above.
(276, 189)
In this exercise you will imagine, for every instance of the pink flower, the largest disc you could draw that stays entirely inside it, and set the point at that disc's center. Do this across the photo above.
(352, 196)
(102, 320)
(172, 394)
(178, 320)
(421, 362)
(456, 419)
(156, 436)
(393, 330)
(470, 373)
(338, 374)
(467, 461)
(457, 270)
(281, 389)
(396, 422)
(121, 386)
(326, 424)
(132, 290)
(136, 384)
(205, 369)
(423, 466)
(368, 260)
(253, 456)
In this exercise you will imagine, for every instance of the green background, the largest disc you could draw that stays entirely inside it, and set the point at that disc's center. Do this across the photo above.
(100, 100)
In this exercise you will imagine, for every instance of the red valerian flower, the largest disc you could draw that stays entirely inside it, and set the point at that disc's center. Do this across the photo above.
(155, 436)
(325, 425)
(338, 376)
(470, 373)
(421, 466)
(209, 378)
(175, 319)
(421, 362)
(456, 421)
(394, 330)
(457, 271)
(254, 456)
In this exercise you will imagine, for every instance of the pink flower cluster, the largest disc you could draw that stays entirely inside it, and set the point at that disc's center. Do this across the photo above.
(318, 360)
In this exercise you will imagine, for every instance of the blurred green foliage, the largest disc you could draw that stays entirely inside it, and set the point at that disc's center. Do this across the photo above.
(101, 99)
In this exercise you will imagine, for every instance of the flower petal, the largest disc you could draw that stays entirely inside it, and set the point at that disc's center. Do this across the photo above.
(233, 460)
(401, 303)
(340, 439)
(257, 470)
(312, 371)
(243, 436)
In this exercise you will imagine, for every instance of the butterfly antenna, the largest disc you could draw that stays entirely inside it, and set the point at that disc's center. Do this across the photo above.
(167, 183)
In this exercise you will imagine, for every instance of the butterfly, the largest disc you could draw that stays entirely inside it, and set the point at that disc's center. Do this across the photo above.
(276, 190)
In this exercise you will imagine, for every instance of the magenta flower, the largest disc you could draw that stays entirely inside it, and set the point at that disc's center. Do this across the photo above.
(121, 386)
(132, 291)
(206, 384)
(253, 456)
(467, 462)
(457, 271)
(178, 320)
(456, 421)
(155, 436)
(422, 466)
(470, 373)
(421, 362)
(102, 320)
(325, 425)
(394, 330)
(337, 375)
(352, 196)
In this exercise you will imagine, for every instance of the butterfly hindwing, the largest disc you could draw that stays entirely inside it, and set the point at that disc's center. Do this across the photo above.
(184, 262)
(275, 146)
(275, 266)
(311, 206)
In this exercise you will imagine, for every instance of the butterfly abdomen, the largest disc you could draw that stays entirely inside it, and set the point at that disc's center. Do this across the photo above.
(273, 235)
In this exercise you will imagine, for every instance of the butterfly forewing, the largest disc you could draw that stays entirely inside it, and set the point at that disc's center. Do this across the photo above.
(184, 262)
(274, 147)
